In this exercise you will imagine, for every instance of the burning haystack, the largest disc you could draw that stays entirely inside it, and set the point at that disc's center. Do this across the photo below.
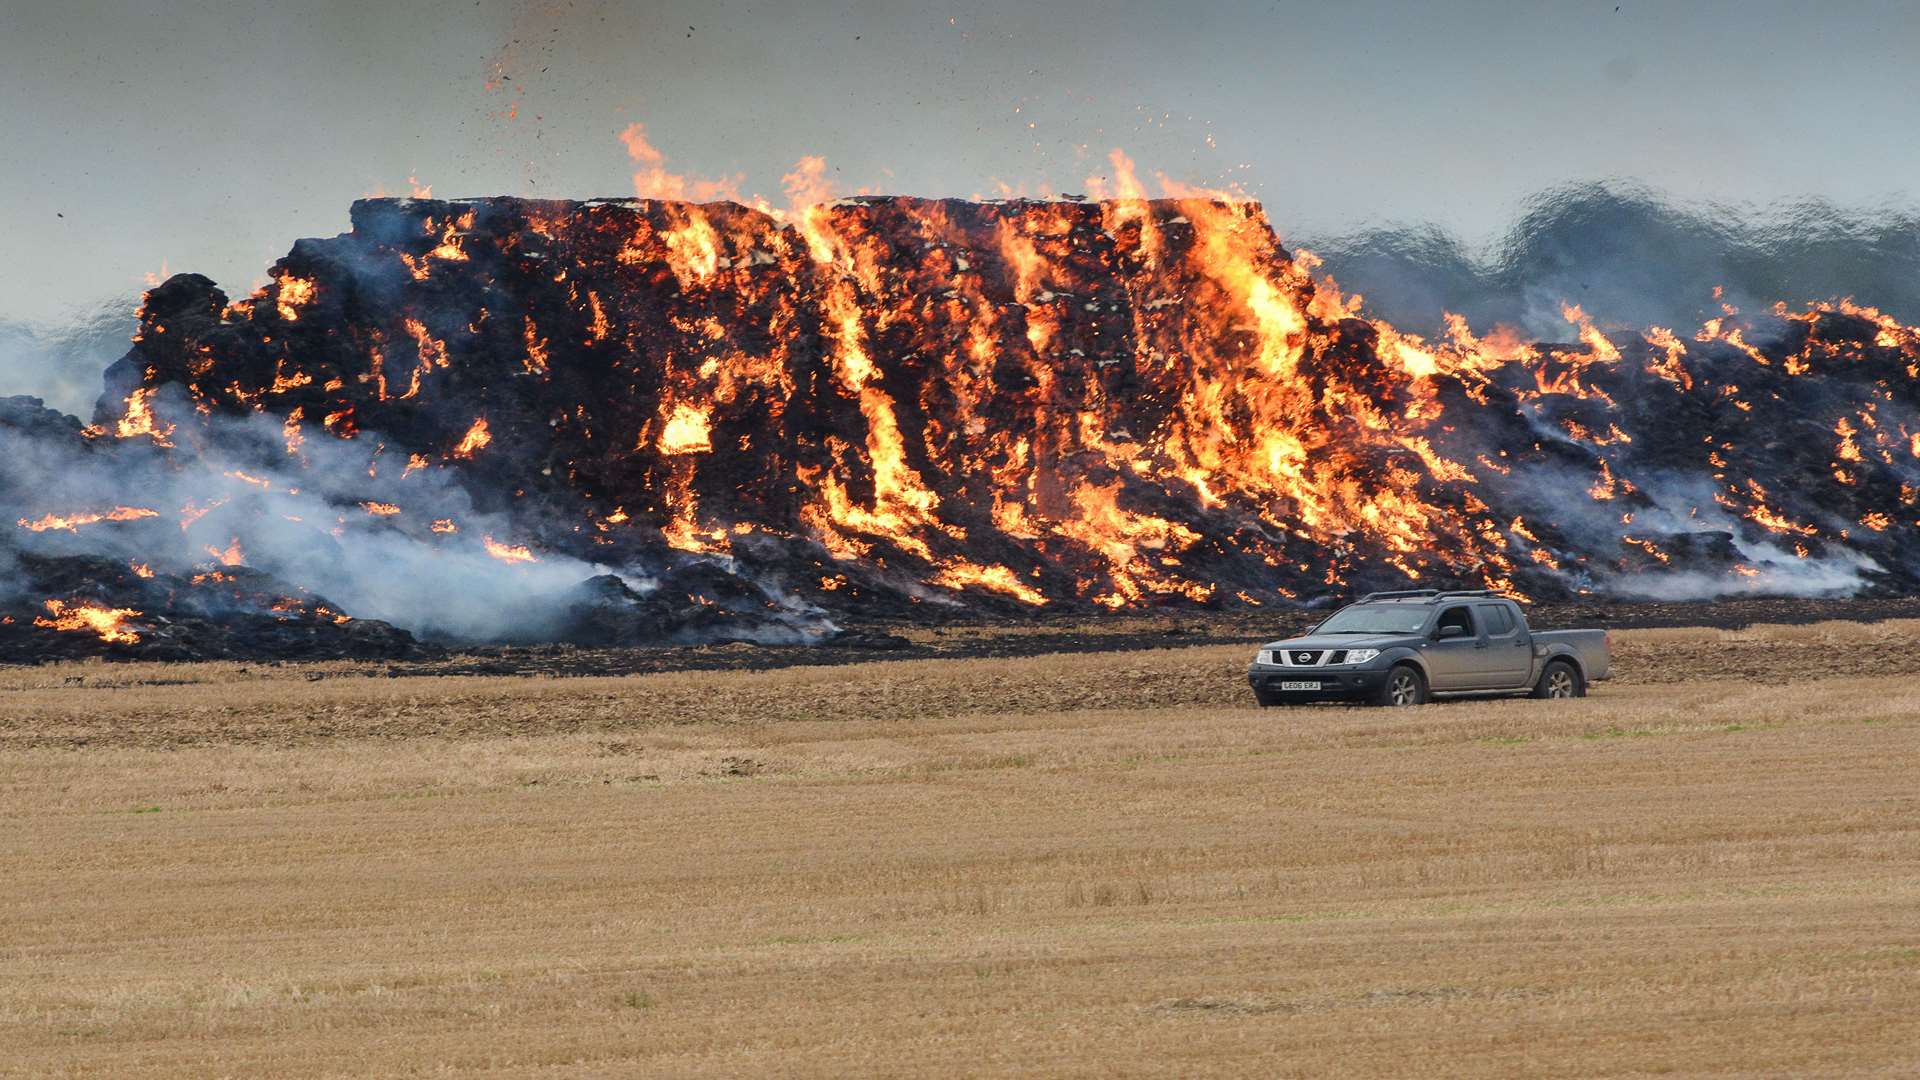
(731, 423)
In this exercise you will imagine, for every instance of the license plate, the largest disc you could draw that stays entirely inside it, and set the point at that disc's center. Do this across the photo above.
(1299, 686)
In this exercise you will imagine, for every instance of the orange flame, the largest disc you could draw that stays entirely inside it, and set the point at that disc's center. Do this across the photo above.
(536, 362)
(688, 430)
(139, 419)
(231, 555)
(1285, 404)
(477, 438)
(508, 553)
(73, 522)
(109, 624)
(292, 294)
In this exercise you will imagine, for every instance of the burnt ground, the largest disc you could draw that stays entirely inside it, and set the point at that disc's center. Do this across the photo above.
(864, 643)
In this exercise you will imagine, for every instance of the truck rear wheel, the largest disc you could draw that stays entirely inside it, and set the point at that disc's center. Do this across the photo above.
(1560, 680)
(1404, 686)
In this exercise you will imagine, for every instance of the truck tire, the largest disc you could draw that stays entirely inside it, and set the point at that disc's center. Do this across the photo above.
(1560, 679)
(1269, 701)
(1404, 686)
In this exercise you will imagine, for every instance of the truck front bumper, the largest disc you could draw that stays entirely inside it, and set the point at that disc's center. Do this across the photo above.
(1271, 684)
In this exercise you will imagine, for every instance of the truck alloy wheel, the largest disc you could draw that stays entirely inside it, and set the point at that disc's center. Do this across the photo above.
(1404, 687)
(1560, 680)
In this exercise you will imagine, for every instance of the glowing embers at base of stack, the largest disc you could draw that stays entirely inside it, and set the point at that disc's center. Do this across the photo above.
(1132, 544)
(957, 574)
(289, 608)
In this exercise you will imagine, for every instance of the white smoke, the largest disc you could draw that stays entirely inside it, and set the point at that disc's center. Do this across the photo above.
(1630, 256)
(1830, 577)
(62, 364)
(300, 517)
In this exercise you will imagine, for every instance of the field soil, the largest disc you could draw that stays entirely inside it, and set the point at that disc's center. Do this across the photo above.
(1085, 864)
(967, 636)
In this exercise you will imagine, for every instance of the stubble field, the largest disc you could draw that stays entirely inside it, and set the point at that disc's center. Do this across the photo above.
(1099, 864)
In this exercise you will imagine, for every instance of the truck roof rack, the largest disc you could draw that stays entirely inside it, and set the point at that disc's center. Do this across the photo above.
(1402, 594)
(1424, 594)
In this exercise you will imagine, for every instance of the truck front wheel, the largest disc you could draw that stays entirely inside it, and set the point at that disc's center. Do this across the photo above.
(1560, 680)
(1404, 686)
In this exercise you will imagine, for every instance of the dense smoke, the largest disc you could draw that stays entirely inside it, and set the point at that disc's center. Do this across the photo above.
(1631, 258)
(62, 364)
(318, 524)
(236, 536)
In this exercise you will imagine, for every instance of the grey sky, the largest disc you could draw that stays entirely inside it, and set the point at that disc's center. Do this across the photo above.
(207, 136)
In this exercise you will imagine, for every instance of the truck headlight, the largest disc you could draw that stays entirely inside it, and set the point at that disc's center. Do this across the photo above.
(1361, 656)
(1265, 657)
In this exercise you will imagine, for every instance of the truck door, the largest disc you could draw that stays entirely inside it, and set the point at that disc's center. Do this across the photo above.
(1454, 663)
(1508, 661)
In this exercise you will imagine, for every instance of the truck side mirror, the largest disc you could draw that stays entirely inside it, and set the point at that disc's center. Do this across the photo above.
(1451, 631)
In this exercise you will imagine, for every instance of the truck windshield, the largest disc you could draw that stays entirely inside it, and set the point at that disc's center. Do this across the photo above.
(1376, 619)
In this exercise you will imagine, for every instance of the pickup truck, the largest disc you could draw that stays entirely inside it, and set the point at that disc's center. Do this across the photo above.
(1405, 648)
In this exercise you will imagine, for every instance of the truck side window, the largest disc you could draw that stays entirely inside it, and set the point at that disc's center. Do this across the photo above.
(1499, 621)
(1456, 616)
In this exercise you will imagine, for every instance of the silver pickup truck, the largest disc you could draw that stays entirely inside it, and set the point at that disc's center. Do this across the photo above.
(1405, 648)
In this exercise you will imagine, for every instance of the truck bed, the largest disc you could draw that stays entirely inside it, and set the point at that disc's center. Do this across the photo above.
(1589, 646)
